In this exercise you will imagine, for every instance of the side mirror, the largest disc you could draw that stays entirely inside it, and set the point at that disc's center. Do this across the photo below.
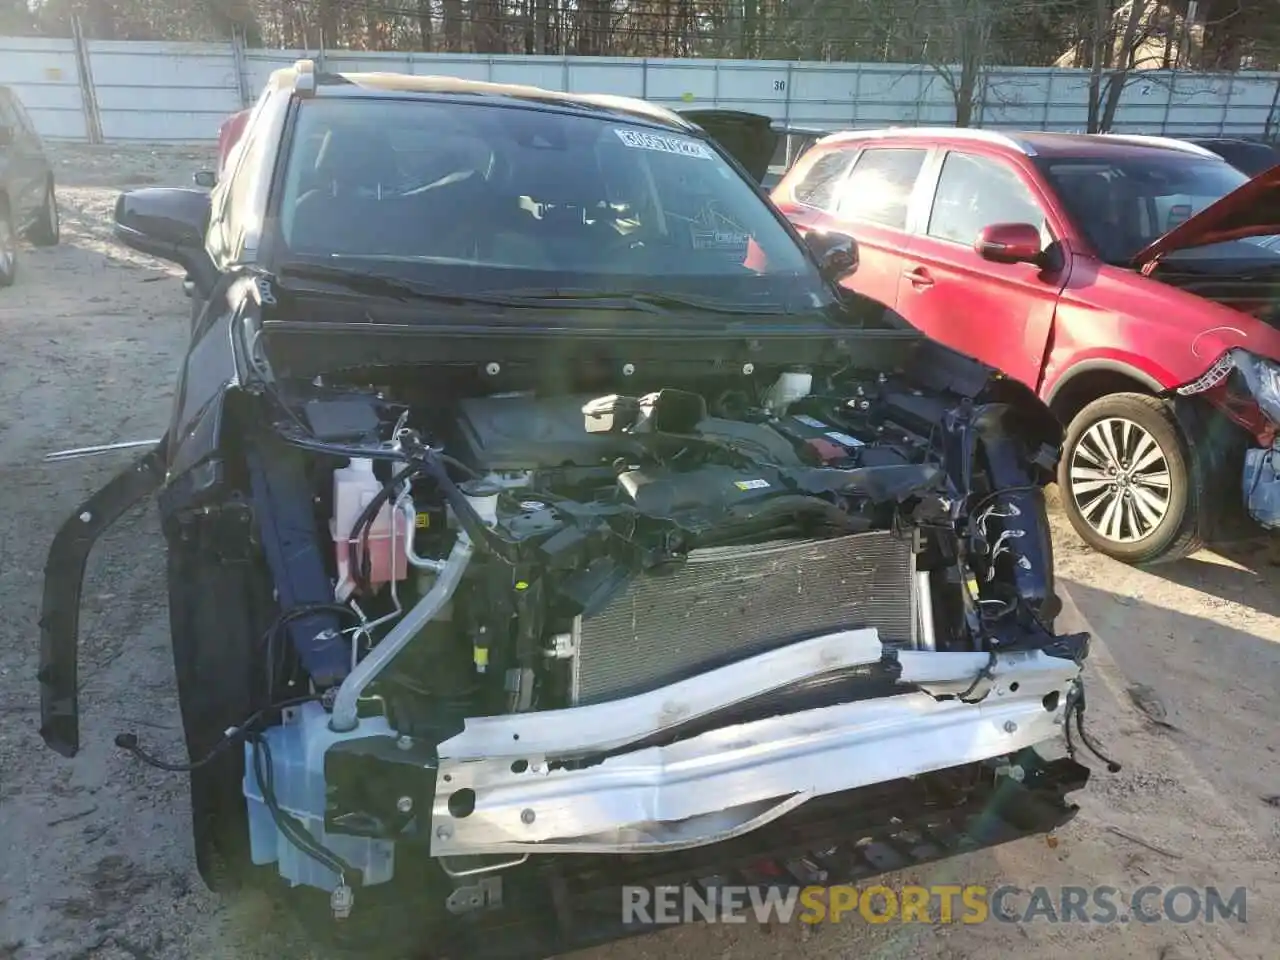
(205, 178)
(1009, 243)
(169, 223)
(836, 253)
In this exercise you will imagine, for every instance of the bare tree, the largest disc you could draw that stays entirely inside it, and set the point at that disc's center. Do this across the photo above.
(1112, 62)
(963, 68)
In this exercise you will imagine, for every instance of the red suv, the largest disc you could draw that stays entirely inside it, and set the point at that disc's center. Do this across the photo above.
(1131, 281)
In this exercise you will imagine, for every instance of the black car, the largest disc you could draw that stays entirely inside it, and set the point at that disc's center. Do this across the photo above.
(28, 200)
(544, 523)
(767, 148)
(1250, 157)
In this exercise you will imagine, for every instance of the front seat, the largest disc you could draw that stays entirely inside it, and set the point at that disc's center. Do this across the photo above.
(340, 212)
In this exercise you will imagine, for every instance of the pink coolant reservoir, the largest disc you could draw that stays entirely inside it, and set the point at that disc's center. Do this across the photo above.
(354, 487)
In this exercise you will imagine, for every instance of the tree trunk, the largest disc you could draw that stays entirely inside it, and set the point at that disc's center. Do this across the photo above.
(488, 26)
(328, 23)
(750, 22)
(1100, 57)
(451, 11)
(541, 25)
(424, 24)
(1119, 77)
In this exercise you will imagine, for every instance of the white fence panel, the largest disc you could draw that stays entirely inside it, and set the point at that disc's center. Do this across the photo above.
(183, 91)
(623, 78)
(44, 74)
(163, 91)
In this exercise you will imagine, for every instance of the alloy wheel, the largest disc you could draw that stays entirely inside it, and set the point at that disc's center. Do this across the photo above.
(1120, 480)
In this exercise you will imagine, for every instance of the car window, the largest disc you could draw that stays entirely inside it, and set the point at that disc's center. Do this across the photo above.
(817, 187)
(513, 198)
(1249, 158)
(1125, 203)
(975, 192)
(879, 187)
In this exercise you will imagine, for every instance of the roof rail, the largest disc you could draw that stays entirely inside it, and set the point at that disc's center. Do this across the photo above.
(958, 133)
(1169, 143)
(305, 77)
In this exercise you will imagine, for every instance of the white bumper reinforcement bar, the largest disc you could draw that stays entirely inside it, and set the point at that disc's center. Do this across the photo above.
(501, 790)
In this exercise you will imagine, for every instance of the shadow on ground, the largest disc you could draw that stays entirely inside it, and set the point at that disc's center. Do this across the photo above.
(1245, 572)
(1209, 685)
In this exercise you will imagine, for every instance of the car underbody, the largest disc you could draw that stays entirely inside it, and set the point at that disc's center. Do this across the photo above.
(743, 614)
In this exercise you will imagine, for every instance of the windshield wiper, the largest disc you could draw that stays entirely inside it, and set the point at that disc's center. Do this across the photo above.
(548, 298)
(386, 285)
(639, 300)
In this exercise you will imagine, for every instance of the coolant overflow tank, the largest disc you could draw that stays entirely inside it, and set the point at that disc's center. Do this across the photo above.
(791, 386)
(483, 497)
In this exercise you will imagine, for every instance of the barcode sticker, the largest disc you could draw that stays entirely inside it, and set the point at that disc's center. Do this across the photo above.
(751, 484)
(639, 140)
(844, 439)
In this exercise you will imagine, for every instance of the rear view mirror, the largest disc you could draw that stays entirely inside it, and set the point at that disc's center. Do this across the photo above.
(836, 253)
(1009, 243)
(169, 223)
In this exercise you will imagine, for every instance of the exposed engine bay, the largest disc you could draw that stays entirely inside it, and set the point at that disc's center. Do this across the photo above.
(595, 518)
(662, 616)
(542, 587)
(1240, 275)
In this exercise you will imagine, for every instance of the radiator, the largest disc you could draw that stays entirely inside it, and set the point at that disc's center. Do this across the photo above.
(728, 603)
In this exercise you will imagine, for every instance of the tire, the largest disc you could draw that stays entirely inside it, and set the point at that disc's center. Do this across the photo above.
(47, 230)
(8, 247)
(1127, 482)
(213, 618)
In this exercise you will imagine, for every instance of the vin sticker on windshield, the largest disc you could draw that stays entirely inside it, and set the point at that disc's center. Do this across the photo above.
(639, 140)
(751, 484)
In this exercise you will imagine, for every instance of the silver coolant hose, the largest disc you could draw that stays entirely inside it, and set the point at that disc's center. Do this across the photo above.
(345, 717)
(414, 558)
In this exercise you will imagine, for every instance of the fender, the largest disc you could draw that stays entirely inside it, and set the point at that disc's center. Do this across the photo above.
(215, 367)
(1109, 365)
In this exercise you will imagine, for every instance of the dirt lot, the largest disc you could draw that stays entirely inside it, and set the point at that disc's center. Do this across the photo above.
(94, 853)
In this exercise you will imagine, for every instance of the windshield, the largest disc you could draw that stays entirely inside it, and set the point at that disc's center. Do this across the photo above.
(475, 197)
(1125, 203)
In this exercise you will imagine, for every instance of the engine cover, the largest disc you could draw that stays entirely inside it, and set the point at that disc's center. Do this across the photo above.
(727, 603)
(516, 433)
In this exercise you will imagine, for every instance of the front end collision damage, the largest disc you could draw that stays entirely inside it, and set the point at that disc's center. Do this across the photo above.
(524, 795)
(1245, 389)
(692, 766)
(187, 471)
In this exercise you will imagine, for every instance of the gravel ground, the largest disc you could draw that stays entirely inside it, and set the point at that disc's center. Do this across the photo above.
(95, 860)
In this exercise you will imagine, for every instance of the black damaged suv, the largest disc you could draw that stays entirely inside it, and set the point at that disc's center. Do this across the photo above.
(543, 520)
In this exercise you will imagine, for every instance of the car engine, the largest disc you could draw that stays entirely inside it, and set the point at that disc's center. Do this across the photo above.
(518, 552)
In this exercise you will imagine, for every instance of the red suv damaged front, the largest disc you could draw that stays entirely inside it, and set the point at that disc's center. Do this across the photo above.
(1128, 280)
